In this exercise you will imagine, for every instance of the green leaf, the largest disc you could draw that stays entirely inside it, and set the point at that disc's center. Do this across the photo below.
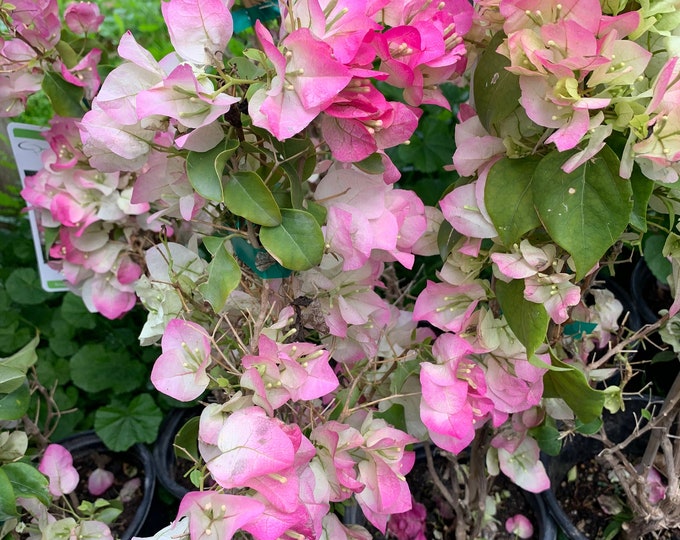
(571, 385)
(62, 345)
(373, 164)
(66, 98)
(246, 69)
(8, 501)
(652, 250)
(509, 199)
(447, 237)
(74, 311)
(205, 169)
(122, 426)
(13, 445)
(50, 235)
(404, 371)
(299, 157)
(496, 90)
(213, 243)
(15, 404)
(586, 210)
(67, 54)
(108, 514)
(224, 275)
(528, 320)
(246, 195)
(590, 428)
(297, 243)
(27, 481)
(186, 440)
(196, 478)
(13, 336)
(23, 358)
(642, 190)
(548, 438)
(319, 212)
(431, 147)
(11, 378)
(95, 368)
(52, 369)
(23, 286)
(394, 416)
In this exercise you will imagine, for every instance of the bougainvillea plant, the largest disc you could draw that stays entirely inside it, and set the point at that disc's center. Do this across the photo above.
(242, 190)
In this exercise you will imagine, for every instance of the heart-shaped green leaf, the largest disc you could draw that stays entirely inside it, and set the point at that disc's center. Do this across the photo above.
(584, 211)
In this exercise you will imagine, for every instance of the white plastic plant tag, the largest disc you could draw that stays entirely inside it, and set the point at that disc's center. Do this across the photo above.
(27, 145)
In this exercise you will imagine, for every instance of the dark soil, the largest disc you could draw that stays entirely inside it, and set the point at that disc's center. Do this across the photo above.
(124, 467)
(585, 498)
(181, 473)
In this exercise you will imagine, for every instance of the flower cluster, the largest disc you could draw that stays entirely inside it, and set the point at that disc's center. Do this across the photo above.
(249, 202)
(32, 50)
(96, 223)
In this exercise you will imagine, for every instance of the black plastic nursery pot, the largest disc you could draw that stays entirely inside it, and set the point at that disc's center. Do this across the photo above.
(87, 444)
(651, 296)
(649, 293)
(579, 450)
(167, 464)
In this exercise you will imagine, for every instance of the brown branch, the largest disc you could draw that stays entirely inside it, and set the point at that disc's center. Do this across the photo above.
(438, 481)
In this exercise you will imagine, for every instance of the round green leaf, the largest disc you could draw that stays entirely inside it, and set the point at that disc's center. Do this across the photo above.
(297, 243)
(122, 426)
(23, 286)
(246, 195)
(95, 368)
(586, 210)
(74, 311)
